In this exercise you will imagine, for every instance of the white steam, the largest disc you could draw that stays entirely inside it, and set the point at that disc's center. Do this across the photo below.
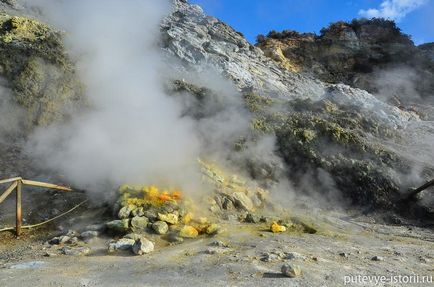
(133, 131)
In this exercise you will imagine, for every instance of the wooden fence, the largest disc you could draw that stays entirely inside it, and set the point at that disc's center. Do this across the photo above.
(17, 184)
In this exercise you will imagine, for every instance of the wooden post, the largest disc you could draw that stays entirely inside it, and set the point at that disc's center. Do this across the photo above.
(18, 215)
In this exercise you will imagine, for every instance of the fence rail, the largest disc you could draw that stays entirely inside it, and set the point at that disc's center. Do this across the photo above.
(17, 184)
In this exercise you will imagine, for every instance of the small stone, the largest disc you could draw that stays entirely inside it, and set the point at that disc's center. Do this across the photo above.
(160, 227)
(291, 271)
(50, 254)
(138, 212)
(75, 251)
(218, 243)
(269, 257)
(215, 250)
(118, 225)
(142, 246)
(276, 228)
(212, 229)
(252, 218)
(343, 254)
(294, 255)
(377, 258)
(121, 244)
(88, 235)
(125, 211)
(151, 215)
(170, 218)
(139, 223)
(188, 232)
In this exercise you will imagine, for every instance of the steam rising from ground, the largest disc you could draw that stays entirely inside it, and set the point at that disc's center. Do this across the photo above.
(133, 131)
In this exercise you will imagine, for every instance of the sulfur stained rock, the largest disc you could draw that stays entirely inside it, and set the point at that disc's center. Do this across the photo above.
(142, 246)
(188, 232)
(212, 229)
(125, 211)
(160, 227)
(170, 218)
(276, 228)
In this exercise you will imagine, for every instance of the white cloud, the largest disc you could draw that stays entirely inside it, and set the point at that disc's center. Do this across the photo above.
(393, 9)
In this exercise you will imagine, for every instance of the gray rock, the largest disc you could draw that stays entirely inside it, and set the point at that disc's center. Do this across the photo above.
(139, 223)
(160, 227)
(118, 225)
(75, 251)
(88, 235)
(152, 215)
(133, 236)
(294, 255)
(59, 240)
(142, 246)
(252, 218)
(138, 212)
(377, 258)
(125, 211)
(291, 271)
(121, 244)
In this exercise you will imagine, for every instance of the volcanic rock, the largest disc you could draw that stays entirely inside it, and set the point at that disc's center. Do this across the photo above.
(121, 244)
(139, 223)
(291, 271)
(243, 201)
(160, 227)
(118, 225)
(170, 218)
(142, 246)
(75, 251)
(188, 232)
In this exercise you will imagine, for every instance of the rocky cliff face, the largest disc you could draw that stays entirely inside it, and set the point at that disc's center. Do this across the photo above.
(367, 54)
(335, 137)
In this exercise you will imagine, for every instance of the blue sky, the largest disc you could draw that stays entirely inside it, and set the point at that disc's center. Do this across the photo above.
(253, 17)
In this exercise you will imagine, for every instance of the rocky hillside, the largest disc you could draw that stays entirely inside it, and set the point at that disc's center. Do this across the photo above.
(367, 54)
(332, 138)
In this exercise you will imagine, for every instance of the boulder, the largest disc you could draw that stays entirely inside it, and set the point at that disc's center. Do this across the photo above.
(118, 225)
(121, 244)
(75, 251)
(142, 246)
(160, 227)
(139, 223)
(125, 211)
(170, 218)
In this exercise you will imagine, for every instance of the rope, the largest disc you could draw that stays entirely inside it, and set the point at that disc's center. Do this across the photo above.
(47, 221)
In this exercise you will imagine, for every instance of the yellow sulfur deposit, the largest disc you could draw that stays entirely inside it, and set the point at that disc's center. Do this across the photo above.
(148, 195)
(188, 232)
(276, 228)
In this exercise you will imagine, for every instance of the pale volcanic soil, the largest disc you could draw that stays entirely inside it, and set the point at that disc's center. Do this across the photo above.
(247, 255)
